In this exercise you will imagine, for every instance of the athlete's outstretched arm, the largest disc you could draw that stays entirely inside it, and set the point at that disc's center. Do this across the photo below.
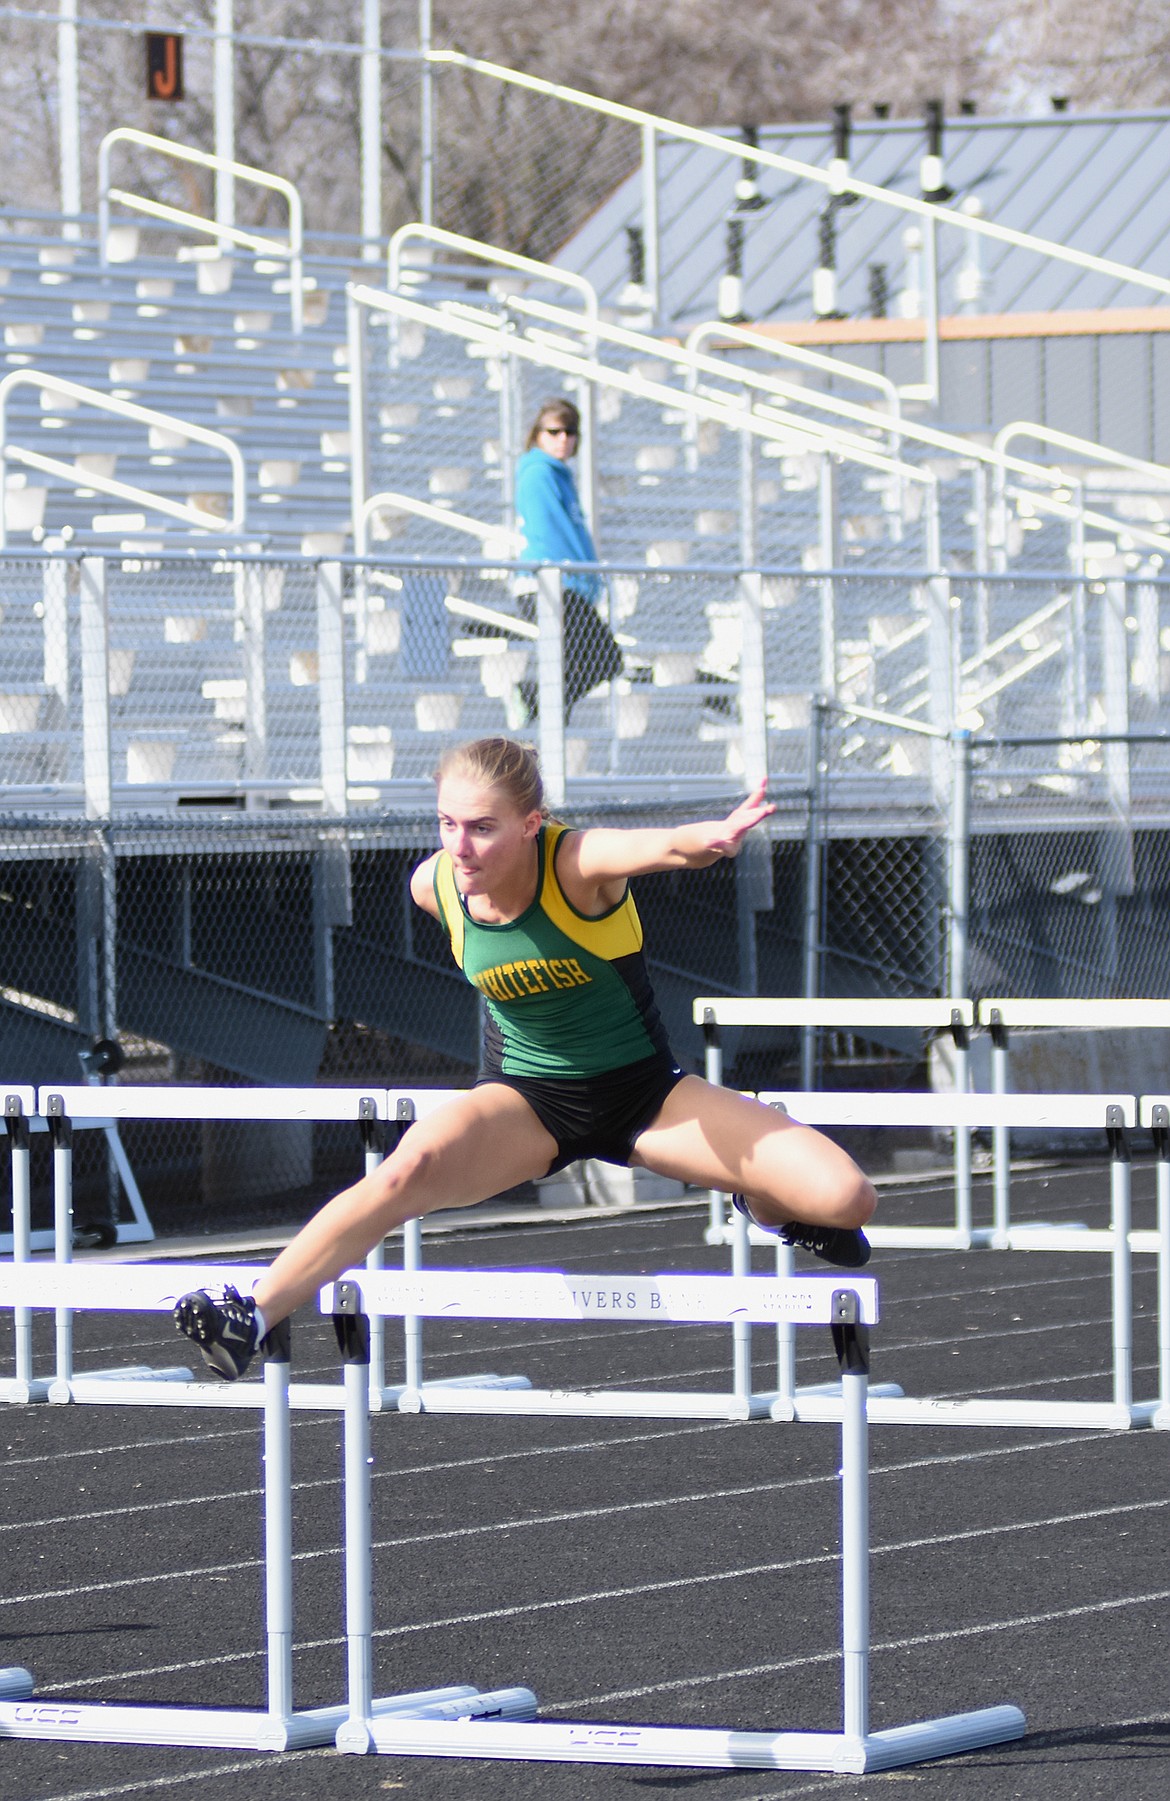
(604, 854)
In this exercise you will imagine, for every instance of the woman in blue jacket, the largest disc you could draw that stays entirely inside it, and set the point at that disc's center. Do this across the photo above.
(553, 529)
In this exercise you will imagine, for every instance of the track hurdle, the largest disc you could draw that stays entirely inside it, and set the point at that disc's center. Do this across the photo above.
(1002, 1017)
(278, 1727)
(1114, 1115)
(849, 1307)
(954, 1016)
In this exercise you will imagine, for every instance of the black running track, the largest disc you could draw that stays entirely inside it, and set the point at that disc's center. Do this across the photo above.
(649, 1571)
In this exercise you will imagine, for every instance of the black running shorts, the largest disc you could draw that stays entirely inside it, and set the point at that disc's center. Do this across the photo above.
(597, 1116)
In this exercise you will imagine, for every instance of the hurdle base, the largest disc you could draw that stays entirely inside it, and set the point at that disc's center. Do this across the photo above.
(19, 1392)
(357, 1737)
(390, 1399)
(111, 1385)
(784, 1407)
(927, 1410)
(220, 1729)
(223, 1729)
(700, 1747)
(600, 1403)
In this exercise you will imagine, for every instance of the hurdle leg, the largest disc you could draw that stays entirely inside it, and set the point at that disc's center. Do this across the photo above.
(785, 1336)
(374, 1141)
(22, 1387)
(853, 1357)
(962, 1139)
(1120, 1190)
(62, 1132)
(355, 1731)
(1160, 1121)
(1001, 1150)
(741, 1332)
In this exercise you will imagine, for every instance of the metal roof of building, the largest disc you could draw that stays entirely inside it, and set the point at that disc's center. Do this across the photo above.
(1094, 183)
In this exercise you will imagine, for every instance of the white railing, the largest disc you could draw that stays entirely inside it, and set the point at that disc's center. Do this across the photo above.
(185, 511)
(836, 180)
(496, 540)
(1086, 449)
(534, 270)
(292, 250)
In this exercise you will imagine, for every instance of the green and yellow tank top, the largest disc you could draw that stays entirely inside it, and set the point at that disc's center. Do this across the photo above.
(566, 995)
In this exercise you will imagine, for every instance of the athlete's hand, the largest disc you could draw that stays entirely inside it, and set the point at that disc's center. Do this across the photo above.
(728, 834)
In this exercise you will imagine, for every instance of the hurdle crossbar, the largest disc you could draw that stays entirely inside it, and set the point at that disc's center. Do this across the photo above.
(848, 1307)
(1114, 1115)
(1000, 1017)
(956, 1016)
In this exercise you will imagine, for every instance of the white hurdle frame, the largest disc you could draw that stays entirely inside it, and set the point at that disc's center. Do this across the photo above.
(1000, 1017)
(928, 1015)
(849, 1306)
(155, 1289)
(1114, 1114)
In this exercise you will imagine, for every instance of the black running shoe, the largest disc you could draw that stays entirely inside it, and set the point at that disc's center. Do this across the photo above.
(833, 1244)
(222, 1322)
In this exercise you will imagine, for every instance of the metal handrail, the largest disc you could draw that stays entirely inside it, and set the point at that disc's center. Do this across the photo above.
(1084, 447)
(425, 509)
(204, 159)
(108, 484)
(525, 265)
(992, 456)
(834, 178)
(473, 326)
(487, 253)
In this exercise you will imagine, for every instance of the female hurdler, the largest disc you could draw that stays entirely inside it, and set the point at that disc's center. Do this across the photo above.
(576, 1062)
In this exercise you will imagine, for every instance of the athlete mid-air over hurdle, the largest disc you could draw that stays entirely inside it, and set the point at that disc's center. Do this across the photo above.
(576, 1063)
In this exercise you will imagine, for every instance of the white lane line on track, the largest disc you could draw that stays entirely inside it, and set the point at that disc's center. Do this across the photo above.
(271, 1760)
(933, 1541)
(1019, 1623)
(308, 1484)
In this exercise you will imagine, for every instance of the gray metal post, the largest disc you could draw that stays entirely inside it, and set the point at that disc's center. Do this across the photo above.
(224, 92)
(829, 554)
(331, 688)
(1122, 1274)
(958, 947)
(69, 118)
(651, 253)
(370, 129)
(550, 664)
(278, 1528)
(931, 364)
(55, 627)
(426, 197)
(813, 852)
(250, 581)
(95, 689)
(786, 1332)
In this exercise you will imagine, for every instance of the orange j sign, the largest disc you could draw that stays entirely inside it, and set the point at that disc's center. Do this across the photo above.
(164, 65)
